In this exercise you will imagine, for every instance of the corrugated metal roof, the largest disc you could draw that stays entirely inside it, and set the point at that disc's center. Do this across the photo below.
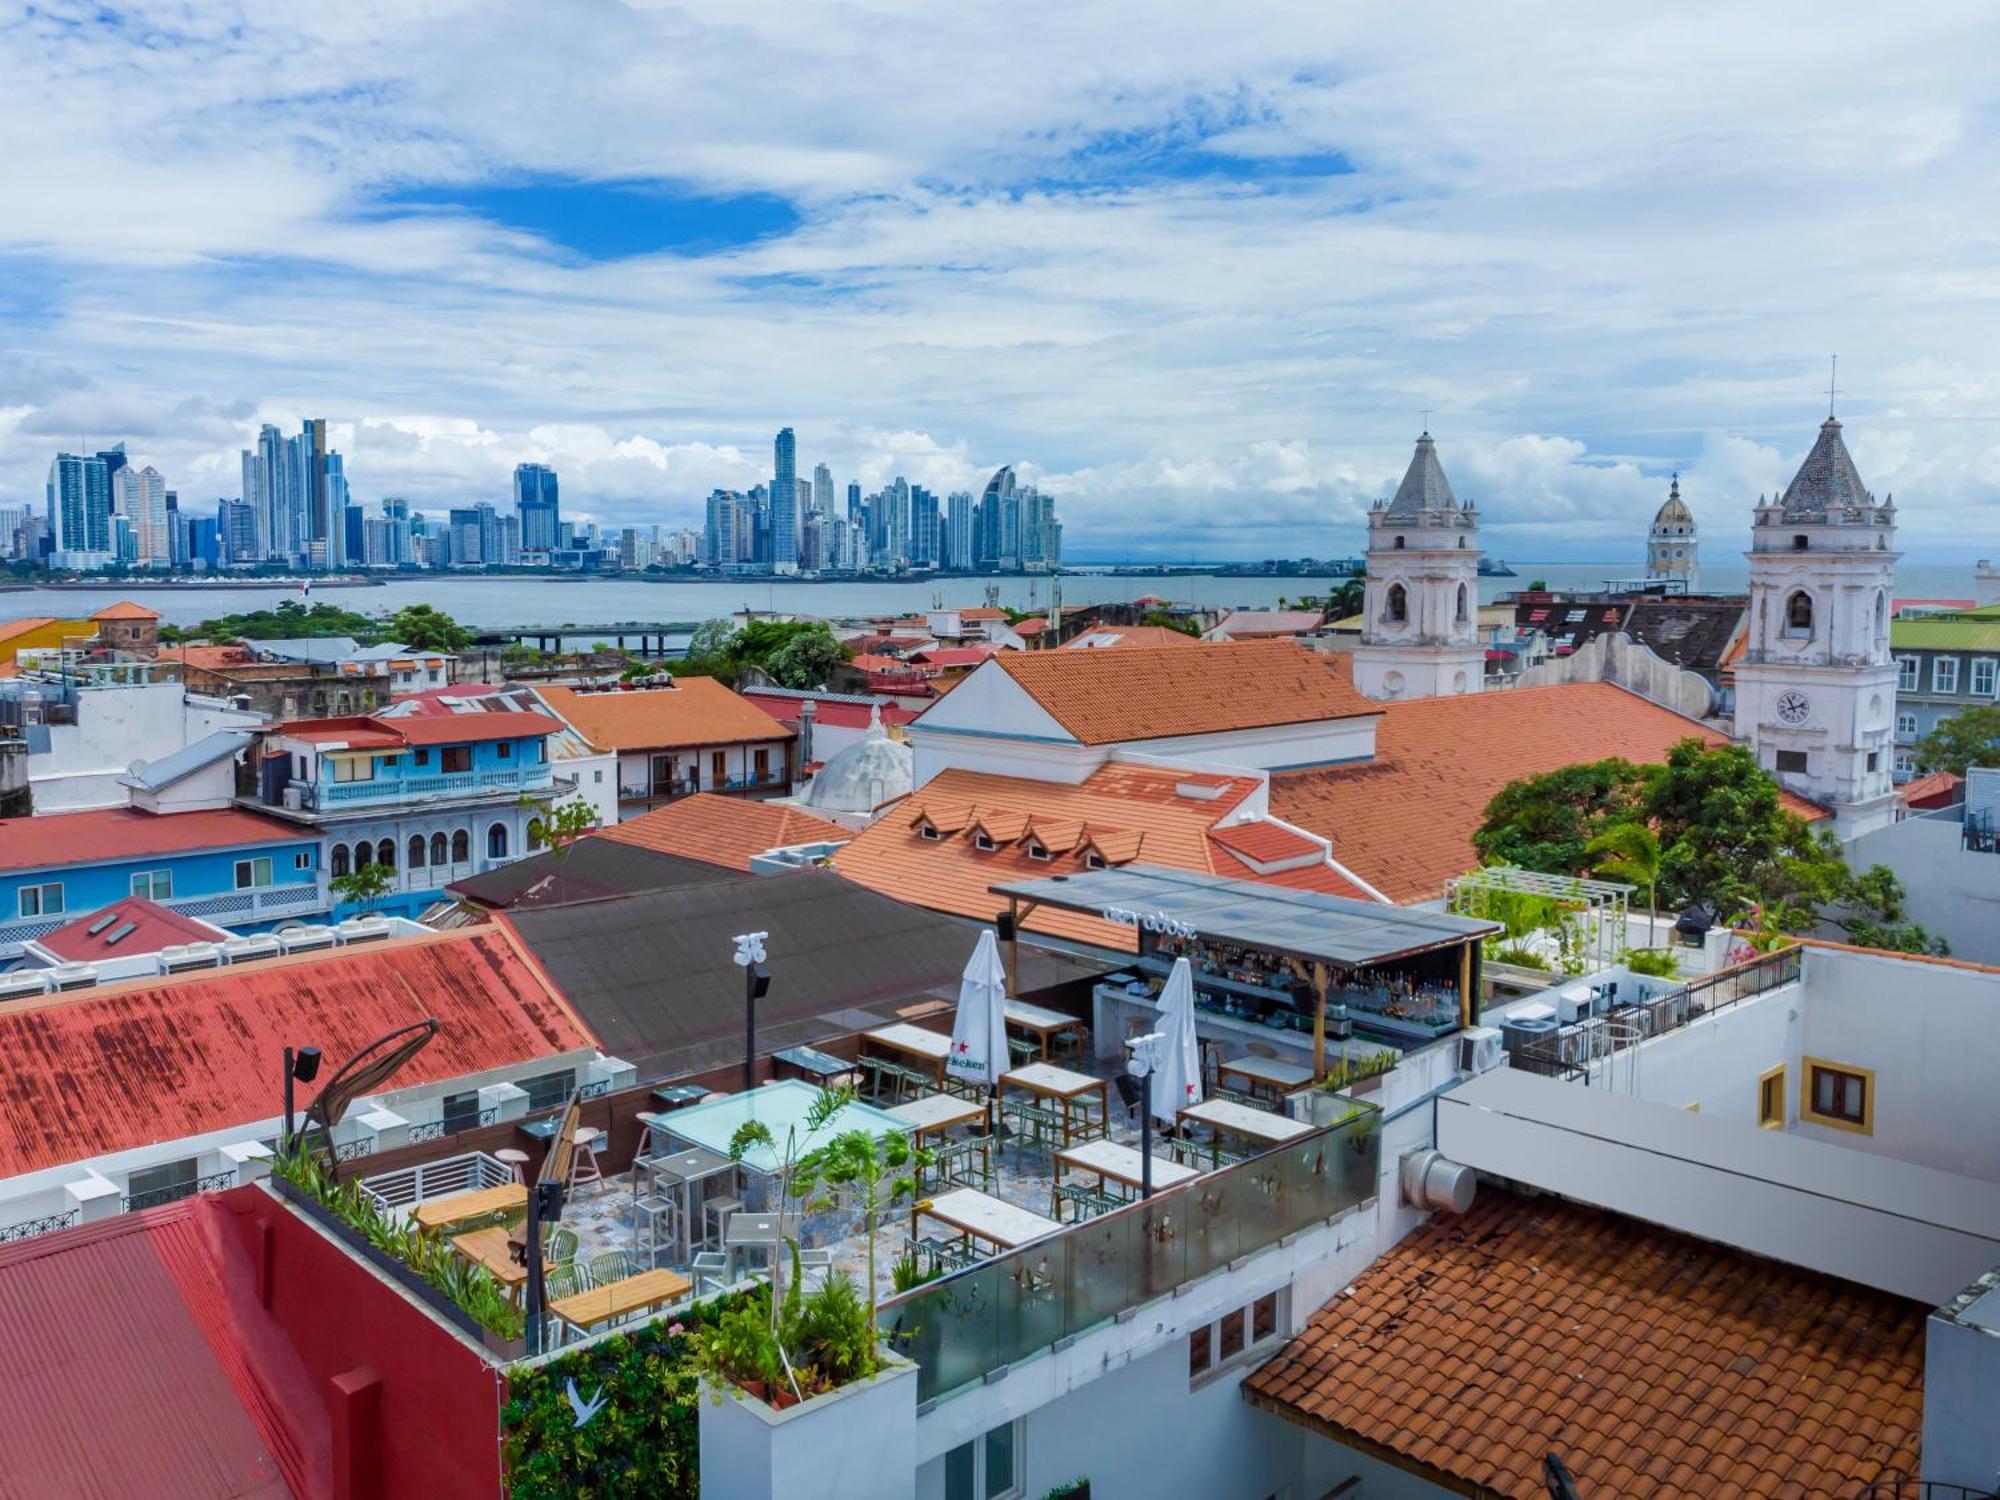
(111, 1390)
(1946, 633)
(206, 751)
(590, 869)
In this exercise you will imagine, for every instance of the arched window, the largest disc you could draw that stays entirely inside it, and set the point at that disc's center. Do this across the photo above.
(416, 851)
(1399, 544)
(1462, 615)
(1881, 616)
(1799, 616)
(461, 847)
(338, 865)
(364, 855)
(1800, 543)
(385, 853)
(496, 841)
(439, 854)
(1397, 607)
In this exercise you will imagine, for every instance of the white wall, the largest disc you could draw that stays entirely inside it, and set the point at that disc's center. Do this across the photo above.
(116, 726)
(596, 778)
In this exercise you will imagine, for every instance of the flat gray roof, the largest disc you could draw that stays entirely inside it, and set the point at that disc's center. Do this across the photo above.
(1275, 918)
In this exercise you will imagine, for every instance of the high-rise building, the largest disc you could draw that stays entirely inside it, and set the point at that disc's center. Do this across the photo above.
(139, 496)
(958, 531)
(1420, 630)
(465, 541)
(238, 533)
(785, 503)
(822, 497)
(537, 504)
(79, 496)
(853, 500)
(254, 494)
(281, 529)
(324, 523)
(926, 538)
(12, 519)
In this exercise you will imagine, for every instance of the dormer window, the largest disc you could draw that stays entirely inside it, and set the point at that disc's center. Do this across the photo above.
(928, 831)
(983, 842)
(1038, 850)
(1092, 860)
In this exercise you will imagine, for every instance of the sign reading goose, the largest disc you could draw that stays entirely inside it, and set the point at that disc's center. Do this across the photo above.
(1157, 922)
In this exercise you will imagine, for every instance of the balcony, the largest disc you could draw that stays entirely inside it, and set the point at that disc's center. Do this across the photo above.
(343, 796)
(228, 909)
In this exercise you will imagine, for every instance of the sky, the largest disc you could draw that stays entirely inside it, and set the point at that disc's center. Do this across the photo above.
(1200, 271)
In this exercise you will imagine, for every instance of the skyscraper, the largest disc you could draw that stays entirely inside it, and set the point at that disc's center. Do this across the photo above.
(823, 489)
(958, 531)
(79, 495)
(140, 495)
(253, 495)
(853, 500)
(537, 505)
(925, 540)
(282, 531)
(785, 503)
(324, 524)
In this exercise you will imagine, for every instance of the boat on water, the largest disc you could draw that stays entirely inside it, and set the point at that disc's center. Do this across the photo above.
(1495, 567)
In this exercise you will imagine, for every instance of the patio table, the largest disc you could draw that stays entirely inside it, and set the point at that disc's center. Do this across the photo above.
(543, 1129)
(617, 1299)
(480, 1203)
(677, 1094)
(929, 1047)
(492, 1248)
(681, 1171)
(1258, 1125)
(1048, 1081)
(929, 1114)
(1121, 1164)
(1040, 1022)
(1269, 1073)
(819, 1066)
(982, 1216)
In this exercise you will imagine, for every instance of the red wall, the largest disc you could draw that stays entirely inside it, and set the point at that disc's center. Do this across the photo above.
(307, 1313)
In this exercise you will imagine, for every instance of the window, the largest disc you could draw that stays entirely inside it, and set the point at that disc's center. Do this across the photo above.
(385, 853)
(1984, 669)
(440, 852)
(718, 767)
(504, 750)
(760, 764)
(461, 847)
(421, 758)
(598, 777)
(1236, 1338)
(496, 841)
(416, 851)
(254, 874)
(1575, 617)
(154, 885)
(1399, 544)
(1838, 1095)
(455, 758)
(1874, 760)
(984, 841)
(1905, 765)
(928, 831)
(41, 900)
(1906, 726)
(1398, 607)
(461, 1111)
(303, 860)
(1794, 761)
(1906, 673)
(1092, 860)
(1037, 850)
(364, 855)
(166, 1183)
(1799, 616)
(987, 1468)
(339, 865)
(547, 1090)
(1771, 1099)
(1463, 615)
(1800, 543)
(353, 768)
(1944, 674)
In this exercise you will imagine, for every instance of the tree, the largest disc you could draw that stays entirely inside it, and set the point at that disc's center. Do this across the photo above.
(1723, 829)
(790, 1156)
(1165, 620)
(807, 660)
(363, 885)
(1546, 822)
(863, 1161)
(560, 827)
(289, 621)
(1971, 737)
(423, 628)
(1629, 852)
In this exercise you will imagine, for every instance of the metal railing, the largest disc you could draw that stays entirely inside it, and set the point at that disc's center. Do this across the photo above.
(215, 1182)
(1570, 1053)
(27, 1229)
(595, 1090)
(994, 1313)
(426, 1130)
(407, 1186)
(392, 789)
(355, 1149)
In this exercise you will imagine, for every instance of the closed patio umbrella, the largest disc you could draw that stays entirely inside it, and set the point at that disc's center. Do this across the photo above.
(1177, 1074)
(979, 1026)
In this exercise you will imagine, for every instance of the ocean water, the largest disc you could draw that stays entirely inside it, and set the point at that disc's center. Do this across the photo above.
(586, 604)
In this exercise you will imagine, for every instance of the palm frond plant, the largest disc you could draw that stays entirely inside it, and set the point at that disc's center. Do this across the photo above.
(1630, 852)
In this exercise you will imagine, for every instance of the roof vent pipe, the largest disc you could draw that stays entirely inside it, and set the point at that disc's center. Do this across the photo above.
(1433, 1180)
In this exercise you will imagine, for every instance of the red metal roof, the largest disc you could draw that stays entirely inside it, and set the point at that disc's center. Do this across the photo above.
(370, 733)
(955, 656)
(159, 1059)
(113, 833)
(827, 711)
(116, 1388)
(133, 925)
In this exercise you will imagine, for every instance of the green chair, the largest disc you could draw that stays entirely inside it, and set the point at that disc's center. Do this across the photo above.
(610, 1265)
(565, 1280)
(559, 1244)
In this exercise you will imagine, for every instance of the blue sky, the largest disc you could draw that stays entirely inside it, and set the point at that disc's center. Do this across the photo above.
(1198, 271)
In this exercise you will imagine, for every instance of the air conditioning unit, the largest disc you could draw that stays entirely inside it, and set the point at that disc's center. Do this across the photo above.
(1480, 1049)
(177, 958)
(1574, 1003)
(244, 949)
(72, 977)
(363, 930)
(306, 939)
(16, 986)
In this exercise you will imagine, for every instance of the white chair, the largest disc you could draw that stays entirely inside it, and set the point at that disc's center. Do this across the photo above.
(710, 1271)
(715, 1214)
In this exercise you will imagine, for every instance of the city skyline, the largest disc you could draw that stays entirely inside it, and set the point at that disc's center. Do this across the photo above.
(1201, 294)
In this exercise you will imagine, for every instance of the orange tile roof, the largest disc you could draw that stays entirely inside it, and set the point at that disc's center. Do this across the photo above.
(1265, 842)
(722, 830)
(695, 711)
(1105, 697)
(125, 609)
(155, 1059)
(1936, 789)
(1123, 811)
(1127, 637)
(212, 658)
(1650, 1362)
(27, 623)
(1404, 821)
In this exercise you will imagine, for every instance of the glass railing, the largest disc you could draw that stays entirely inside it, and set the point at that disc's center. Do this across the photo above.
(996, 1312)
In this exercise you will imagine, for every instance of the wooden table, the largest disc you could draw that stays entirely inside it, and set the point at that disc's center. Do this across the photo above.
(1040, 1022)
(820, 1067)
(1280, 1078)
(931, 1113)
(929, 1047)
(482, 1203)
(1050, 1082)
(492, 1248)
(1240, 1119)
(616, 1299)
(1122, 1164)
(982, 1216)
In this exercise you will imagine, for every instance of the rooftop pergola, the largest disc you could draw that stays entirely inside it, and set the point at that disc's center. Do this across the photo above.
(1604, 902)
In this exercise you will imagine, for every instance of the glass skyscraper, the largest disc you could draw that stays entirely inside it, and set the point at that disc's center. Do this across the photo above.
(538, 506)
(785, 503)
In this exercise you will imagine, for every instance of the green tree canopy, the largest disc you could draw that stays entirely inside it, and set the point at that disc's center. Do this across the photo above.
(423, 628)
(795, 653)
(1547, 822)
(289, 621)
(1971, 737)
(1168, 621)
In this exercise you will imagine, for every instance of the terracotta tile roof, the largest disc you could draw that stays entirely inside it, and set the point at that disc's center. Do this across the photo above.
(1404, 821)
(982, 612)
(125, 609)
(1105, 697)
(152, 927)
(1030, 627)
(1126, 637)
(209, 658)
(369, 732)
(1122, 811)
(835, 710)
(1266, 843)
(1249, 624)
(955, 656)
(114, 833)
(24, 626)
(695, 711)
(722, 830)
(1938, 789)
(102, 1070)
(1652, 1363)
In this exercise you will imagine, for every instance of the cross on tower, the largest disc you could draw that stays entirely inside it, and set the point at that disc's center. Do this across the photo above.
(1833, 369)
(1427, 419)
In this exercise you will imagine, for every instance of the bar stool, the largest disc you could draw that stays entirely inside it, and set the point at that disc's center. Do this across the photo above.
(516, 1162)
(583, 1160)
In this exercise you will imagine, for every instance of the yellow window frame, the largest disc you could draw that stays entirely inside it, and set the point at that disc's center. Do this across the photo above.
(1765, 1121)
(1809, 1068)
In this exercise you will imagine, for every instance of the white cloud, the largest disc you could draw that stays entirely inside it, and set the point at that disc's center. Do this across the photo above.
(1596, 246)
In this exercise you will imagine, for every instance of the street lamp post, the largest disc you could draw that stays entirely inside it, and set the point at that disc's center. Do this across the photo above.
(756, 984)
(304, 1066)
(1145, 1058)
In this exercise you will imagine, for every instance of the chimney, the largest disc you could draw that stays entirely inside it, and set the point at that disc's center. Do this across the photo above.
(808, 712)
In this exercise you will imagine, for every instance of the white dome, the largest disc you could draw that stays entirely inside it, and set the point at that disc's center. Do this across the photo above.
(864, 776)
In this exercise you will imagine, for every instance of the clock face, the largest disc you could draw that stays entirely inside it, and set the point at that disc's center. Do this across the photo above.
(1794, 707)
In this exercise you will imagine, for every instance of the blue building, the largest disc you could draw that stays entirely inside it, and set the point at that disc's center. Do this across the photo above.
(228, 866)
(434, 797)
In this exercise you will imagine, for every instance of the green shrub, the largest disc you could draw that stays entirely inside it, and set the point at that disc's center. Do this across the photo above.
(1658, 962)
(1520, 958)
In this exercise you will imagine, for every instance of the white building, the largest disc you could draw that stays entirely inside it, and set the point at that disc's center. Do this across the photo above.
(1816, 689)
(1420, 625)
(1672, 548)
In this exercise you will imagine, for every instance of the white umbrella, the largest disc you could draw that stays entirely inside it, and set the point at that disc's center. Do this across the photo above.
(1177, 1072)
(979, 1029)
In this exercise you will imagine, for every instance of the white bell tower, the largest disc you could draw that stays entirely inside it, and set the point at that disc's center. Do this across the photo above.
(1420, 622)
(1671, 546)
(1816, 688)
